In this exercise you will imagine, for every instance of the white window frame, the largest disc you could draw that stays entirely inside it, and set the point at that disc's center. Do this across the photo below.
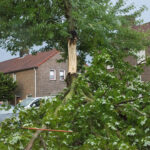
(60, 76)
(54, 74)
(14, 77)
(141, 57)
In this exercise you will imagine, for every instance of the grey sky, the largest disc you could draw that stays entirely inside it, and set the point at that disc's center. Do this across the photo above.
(138, 3)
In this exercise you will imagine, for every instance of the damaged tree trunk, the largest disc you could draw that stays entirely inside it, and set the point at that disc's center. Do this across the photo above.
(72, 41)
(72, 61)
(72, 56)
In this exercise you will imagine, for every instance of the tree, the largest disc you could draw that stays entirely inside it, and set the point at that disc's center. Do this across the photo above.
(7, 88)
(106, 110)
(57, 23)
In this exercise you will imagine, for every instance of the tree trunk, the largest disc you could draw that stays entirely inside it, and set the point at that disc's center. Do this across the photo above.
(72, 61)
(72, 56)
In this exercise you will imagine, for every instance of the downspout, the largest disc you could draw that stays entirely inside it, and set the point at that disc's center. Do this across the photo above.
(34, 82)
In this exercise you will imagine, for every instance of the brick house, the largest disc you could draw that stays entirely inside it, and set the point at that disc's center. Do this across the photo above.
(37, 75)
(145, 76)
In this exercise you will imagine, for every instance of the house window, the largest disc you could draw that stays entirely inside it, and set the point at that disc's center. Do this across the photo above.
(14, 77)
(52, 74)
(62, 75)
(141, 57)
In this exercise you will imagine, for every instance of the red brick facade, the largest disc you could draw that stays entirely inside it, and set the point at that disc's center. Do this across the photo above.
(25, 83)
(45, 86)
(35, 81)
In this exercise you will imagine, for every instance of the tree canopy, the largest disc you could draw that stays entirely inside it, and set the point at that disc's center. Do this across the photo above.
(96, 24)
(105, 109)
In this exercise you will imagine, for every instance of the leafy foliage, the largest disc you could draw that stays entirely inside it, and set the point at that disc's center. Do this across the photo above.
(105, 109)
(97, 24)
(114, 116)
(7, 87)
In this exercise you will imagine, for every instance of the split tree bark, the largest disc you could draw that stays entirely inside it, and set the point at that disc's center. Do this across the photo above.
(72, 56)
(72, 70)
(72, 41)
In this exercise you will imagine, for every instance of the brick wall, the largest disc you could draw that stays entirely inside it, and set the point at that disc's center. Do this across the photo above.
(131, 60)
(25, 83)
(45, 86)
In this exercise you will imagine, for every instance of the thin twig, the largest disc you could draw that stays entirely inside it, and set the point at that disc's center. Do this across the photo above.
(45, 129)
(34, 137)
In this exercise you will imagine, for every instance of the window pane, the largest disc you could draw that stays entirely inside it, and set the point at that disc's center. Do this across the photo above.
(51, 77)
(14, 77)
(62, 74)
(52, 74)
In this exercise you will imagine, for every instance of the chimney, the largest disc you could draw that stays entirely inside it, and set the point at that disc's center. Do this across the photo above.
(23, 52)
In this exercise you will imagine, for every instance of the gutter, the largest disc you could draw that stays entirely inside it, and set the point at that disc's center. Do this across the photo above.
(34, 82)
(19, 70)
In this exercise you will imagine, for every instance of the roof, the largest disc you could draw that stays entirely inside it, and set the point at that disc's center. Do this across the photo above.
(144, 27)
(26, 62)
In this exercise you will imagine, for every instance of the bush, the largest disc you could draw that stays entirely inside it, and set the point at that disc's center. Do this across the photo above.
(7, 87)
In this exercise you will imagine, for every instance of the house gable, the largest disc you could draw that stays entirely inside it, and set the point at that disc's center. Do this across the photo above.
(45, 86)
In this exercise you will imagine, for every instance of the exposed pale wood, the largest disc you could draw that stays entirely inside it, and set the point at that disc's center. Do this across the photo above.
(72, 56)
